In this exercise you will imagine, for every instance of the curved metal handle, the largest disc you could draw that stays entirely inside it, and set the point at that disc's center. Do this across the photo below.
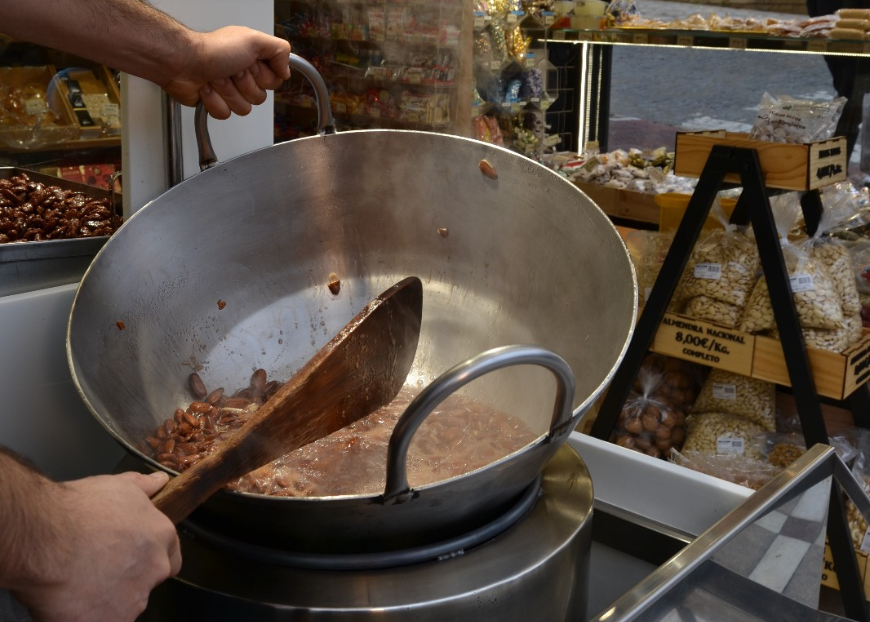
(325, 121)
(397, 487)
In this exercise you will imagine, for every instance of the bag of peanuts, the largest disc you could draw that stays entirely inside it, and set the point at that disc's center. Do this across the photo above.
(815, 299)
(727, 392)
(720, 433)
(652, 420)
(723, 266)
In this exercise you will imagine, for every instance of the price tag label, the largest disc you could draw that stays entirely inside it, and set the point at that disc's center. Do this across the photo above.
(495, 65)
(379, 36)
(685, 40)
(110, 110)
(802, 283)
(414, 78)
(535, 100)
(375, 113)
(516, 106)
(549, 20)
(512, 18)
(479, 23)
(817, 45)
(545, 104)
(530, 61)
(640, 37)
(722, 391)
(703, 342)
(340, 108)
(729, 445)
(710, 271)
(559, 35)
(35, 107)
(867, 48)
(865, 542)
(738, 43)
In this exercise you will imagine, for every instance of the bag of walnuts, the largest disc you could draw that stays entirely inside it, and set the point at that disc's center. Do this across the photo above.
(650, 421)
(816, 300)
(750, 398)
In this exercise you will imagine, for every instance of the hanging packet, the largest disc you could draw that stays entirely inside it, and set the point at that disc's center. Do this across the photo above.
(815, 299)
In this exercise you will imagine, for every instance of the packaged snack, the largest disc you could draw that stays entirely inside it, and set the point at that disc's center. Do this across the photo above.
(830, 251)
(816, 301)
(723, 266)
(712, 310)
(735, 468)
(721, 433)
(652, 420)
(735, 394)
(785, 119)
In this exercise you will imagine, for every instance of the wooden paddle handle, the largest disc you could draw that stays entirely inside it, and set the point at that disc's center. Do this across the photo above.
(187, 491)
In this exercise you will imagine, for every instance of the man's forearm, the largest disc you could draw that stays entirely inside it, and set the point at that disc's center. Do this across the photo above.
(129, 35)
(29, 533)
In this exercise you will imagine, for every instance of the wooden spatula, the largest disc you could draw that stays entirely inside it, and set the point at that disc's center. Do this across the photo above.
(360, 370)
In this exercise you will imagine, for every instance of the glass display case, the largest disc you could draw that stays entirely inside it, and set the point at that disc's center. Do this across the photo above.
(387, 64)
(59, 115)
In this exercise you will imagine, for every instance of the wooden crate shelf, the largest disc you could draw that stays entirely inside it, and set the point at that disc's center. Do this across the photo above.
(835, 375)
(785, 166)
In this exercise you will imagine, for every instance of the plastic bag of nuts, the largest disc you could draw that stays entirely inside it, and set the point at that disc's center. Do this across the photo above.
(734, 468)
(816, 300)
(723, 266)
(716, 311)
(648, 250)
(721, 433)
(727, 392)
(647, 423)
(652, 420)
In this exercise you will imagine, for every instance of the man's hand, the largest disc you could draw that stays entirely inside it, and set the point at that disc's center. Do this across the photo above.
(230, 70)
(108, 547)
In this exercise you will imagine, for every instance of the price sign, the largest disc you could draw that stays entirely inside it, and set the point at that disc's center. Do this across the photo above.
(495, 65)
(817, 45)
(559, 35)
(35, 106)
(640, 37)
(340, 108)
(545, 104)
(479, 23)
(685, 40)
(706, 343)
(110, 110)
(512, 18)
(738, 43)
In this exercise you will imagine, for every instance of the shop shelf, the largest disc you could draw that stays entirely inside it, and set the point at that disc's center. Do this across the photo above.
(786, 166)
(836, 375)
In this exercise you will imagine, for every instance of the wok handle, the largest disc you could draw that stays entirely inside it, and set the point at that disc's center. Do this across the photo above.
(397, 487)
(325, 121)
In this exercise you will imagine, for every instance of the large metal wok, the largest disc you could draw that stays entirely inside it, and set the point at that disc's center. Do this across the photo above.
(524, 258)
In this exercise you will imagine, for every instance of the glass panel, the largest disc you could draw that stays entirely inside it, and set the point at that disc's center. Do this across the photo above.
(784, 549)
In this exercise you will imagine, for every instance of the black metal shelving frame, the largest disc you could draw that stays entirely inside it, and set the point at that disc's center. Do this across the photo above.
(753, 207)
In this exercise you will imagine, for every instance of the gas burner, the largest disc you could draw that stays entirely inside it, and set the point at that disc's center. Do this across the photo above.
(535, 568)
(368, 561)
